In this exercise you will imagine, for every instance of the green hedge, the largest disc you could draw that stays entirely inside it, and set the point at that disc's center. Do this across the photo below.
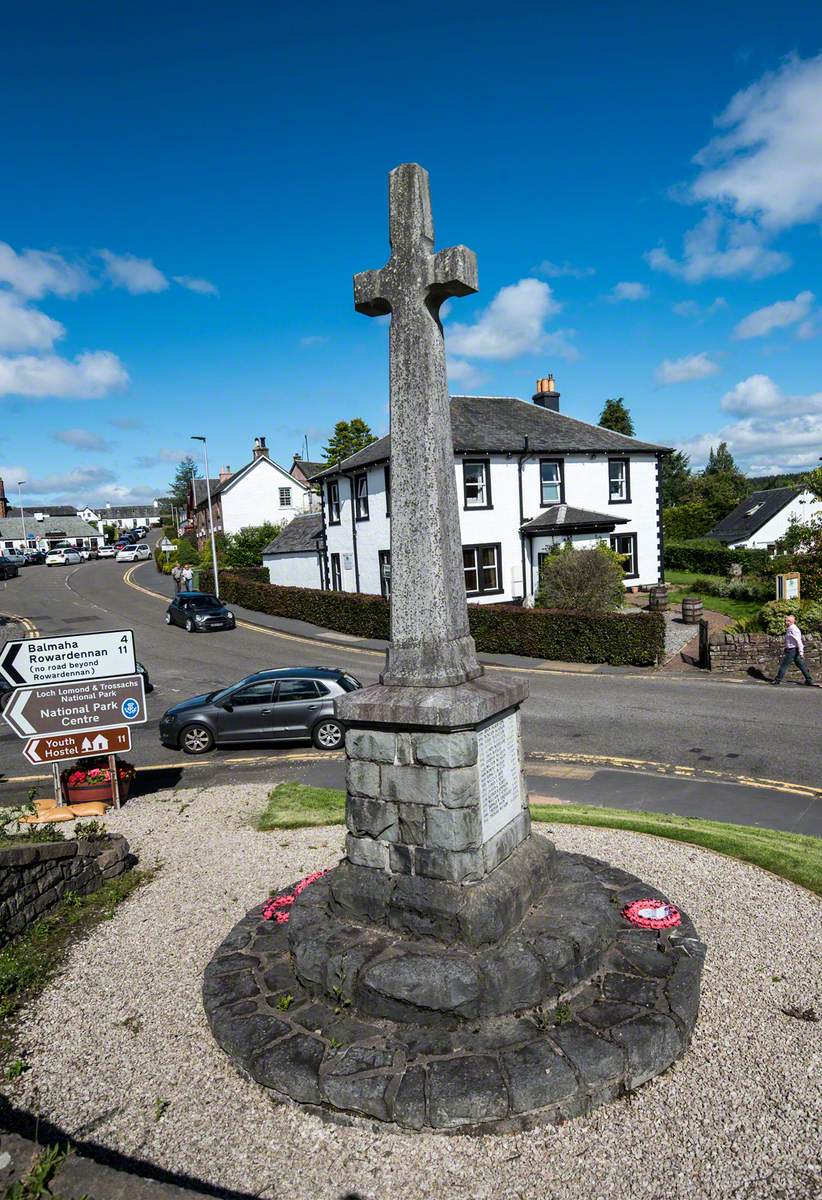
(616, 638)
(711, 558)
(249, 574)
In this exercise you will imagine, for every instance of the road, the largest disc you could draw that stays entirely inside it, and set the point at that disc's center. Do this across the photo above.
(694, 722)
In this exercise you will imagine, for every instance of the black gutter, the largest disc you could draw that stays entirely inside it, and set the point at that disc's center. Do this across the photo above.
(659, 528)
(322, 550)
(525, 454)
(350, 479)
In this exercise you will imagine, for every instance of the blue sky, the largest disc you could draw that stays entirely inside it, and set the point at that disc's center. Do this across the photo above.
(189, 189)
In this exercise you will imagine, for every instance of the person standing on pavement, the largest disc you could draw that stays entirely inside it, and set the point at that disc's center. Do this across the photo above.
(187, 578)
(794, 654)
(176, 575)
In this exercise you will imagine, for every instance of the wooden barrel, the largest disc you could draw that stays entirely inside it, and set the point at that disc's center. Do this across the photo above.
(691, 610)
(658, 598)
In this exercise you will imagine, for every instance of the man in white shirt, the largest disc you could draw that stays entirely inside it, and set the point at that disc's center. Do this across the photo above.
(794, 651)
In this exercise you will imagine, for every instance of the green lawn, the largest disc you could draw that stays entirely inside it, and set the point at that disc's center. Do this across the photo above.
(681, 581)
(791, 855)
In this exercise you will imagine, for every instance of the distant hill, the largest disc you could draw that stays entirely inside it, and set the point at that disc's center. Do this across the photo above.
(764, 483)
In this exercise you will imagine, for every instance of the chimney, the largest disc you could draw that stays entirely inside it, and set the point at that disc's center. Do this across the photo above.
(226, 471)
(4, 504)
(260, 448)
(546, 395)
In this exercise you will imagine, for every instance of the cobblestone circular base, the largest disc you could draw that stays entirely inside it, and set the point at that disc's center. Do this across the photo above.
(572, 1009)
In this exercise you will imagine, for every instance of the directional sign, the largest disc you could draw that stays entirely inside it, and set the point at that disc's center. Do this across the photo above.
(81, 707)
(74, 745)
(167, 546)
(68, 656)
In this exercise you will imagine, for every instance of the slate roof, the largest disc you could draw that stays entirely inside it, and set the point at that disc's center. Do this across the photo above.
(71, 527)
(127, 510)
(492, 424)
(739, 525)
(198, 487)
(309, 469)
(54, 510)
(563, 518)
(302, 533)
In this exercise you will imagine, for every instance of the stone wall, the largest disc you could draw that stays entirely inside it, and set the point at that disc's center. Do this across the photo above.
(739, 651)
(36, 877)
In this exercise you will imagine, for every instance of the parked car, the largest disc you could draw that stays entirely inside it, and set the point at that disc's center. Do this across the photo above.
(292, 704)
(87, 552)
(108, 552)
(17, 557)
(198, 612)
(35, 557)
(138, 553)
(62, 558)
(8, 568)
(141, 670)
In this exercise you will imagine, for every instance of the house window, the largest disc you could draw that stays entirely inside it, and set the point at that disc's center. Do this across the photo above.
(476, 483)
(336, 573)
(334, 502)
(385, 573)
(625, 545)
(483, 571)
(552, 481)
(285, 497)
(387, 473)
(619, 481)
(361, 497)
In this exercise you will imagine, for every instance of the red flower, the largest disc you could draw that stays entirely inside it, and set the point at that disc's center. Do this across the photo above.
(652, 914)
(278, 904)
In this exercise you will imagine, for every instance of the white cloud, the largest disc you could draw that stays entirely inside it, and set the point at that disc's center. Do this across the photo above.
(460, 371)
(720, 248)
(80, 477)
(125, 422)
(163, 455)
(24, 328)
(775, 316)
(554, 270)
(757, 393)
(34, 273)
(683, 370)
(628, 291)
(808, 329)
(203, 286)
(690, 308)
(88, 376)
(81, 439)
(768, 162)
(136, 275)
(512, 324)
(312, 339)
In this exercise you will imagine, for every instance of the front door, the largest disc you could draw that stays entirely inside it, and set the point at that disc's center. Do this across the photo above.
(251, 718)
(298, 705)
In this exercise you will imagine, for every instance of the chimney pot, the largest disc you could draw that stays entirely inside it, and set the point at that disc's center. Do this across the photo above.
(260, 448)
(546, 394)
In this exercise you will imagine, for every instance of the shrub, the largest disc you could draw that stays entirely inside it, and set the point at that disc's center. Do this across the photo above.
(808, 615)
(712, 557)
(589, 580)
(690, 520)
(616, 638)
(249, 574)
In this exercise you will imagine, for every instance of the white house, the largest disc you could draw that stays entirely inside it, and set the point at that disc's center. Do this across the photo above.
(527, 477)
(260, 491)
(759, 521)
(296, 557)
(122, 516)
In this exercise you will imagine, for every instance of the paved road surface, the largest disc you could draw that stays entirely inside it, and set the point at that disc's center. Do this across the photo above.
(695, 722)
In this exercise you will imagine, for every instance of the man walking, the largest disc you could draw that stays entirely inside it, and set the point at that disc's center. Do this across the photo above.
(794, 651)
(176, 575)
(186, 578)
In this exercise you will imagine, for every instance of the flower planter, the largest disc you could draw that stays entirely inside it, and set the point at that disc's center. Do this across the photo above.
(84, 793)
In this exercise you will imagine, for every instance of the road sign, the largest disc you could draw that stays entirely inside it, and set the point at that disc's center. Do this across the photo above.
(167, 546)
(81, 707)
(68, 656)
(75, 745)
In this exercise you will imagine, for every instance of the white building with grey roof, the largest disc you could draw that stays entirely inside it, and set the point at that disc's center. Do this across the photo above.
(528, 476)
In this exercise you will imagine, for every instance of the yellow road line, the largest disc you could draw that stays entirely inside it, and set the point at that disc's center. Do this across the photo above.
(29, 626)
(188, 764)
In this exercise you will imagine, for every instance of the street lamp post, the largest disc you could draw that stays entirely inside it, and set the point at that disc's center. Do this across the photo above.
(196, 438)
(20, 483)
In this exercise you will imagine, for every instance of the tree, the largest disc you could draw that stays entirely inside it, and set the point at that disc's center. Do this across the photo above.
(721, 462)
(720, 486)
(589, 580)
(348, 437)
(616, 416)
(245, 548)
(178, 490)
(675, 476)
(682, 522)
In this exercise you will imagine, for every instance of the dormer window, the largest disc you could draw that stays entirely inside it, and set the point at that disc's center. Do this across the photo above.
(750, 512)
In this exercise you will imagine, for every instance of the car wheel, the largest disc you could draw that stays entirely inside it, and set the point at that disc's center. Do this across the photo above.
(196, 739)
(190, 626)
(327, 735)
(168, 618)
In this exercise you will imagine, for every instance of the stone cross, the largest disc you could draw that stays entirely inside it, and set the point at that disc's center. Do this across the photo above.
(430, 641)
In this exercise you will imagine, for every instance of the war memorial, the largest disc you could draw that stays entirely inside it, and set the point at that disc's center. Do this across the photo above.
(455, 972)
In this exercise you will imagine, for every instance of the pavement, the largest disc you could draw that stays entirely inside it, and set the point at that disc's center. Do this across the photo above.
(726, 748)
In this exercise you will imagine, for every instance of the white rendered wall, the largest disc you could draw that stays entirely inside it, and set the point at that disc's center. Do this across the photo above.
(803, 508)
(255, 499)
(297, 569)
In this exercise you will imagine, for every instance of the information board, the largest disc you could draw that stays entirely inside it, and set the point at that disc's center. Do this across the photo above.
(499, 775)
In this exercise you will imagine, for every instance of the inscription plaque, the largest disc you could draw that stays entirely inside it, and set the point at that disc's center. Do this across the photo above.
(499, 775)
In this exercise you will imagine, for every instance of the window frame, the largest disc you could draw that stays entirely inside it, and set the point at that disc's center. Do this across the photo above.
(333, 498)
(279, 699)
(560, 462)
(358, 500)
(485, 463)
(335, 566)
(634, 552)
(248, 687)
(287, 491)
(626, 499)
(476, 548)
(387, 479)
(384, 559)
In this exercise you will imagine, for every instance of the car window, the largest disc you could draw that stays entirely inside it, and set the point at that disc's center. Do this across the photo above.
(297, 689)
(348, 683)
(255, 693)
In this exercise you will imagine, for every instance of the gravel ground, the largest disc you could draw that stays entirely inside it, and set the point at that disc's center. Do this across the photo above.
(123, 1028)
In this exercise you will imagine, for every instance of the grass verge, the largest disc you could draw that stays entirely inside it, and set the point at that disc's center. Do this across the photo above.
(29, 962)
(794, 856)
(681, 582)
